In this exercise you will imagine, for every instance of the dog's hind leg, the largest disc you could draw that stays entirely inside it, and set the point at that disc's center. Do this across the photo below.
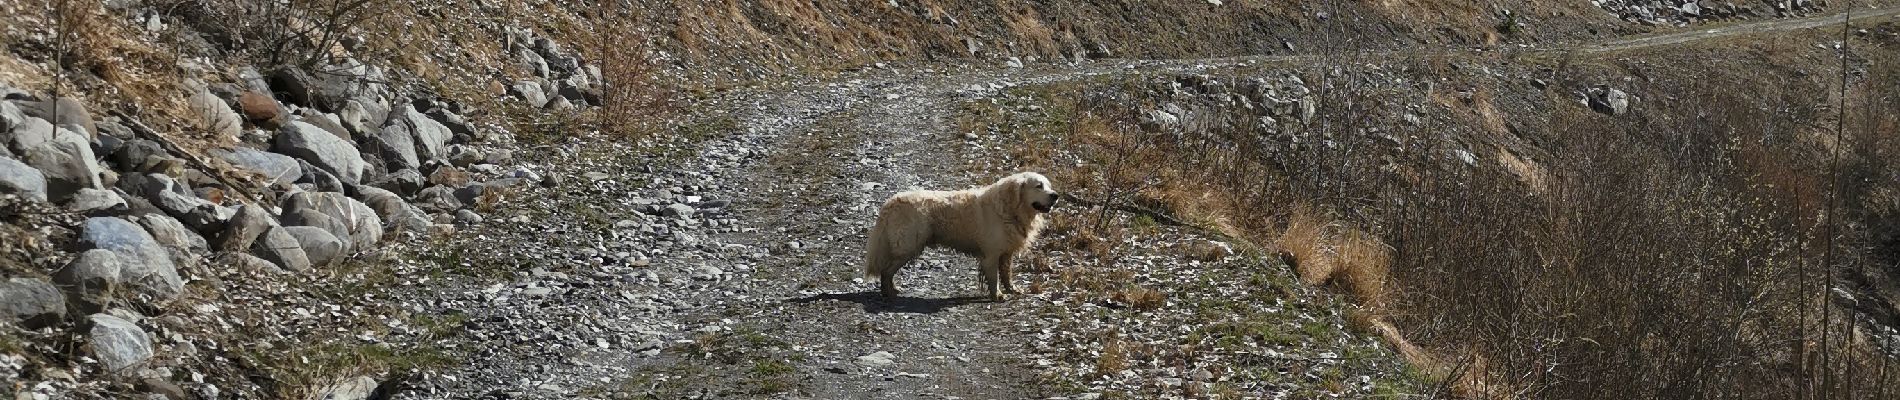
(889, 253)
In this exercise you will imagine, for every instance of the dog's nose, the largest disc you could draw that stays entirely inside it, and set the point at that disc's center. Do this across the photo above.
(1053, 197)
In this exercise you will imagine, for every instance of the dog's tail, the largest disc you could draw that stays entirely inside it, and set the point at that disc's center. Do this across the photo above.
(877, 254)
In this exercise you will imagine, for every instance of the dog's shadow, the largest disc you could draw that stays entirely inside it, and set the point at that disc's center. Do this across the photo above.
(876, 303)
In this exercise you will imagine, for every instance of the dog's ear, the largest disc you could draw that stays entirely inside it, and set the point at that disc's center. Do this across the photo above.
(1011, 190)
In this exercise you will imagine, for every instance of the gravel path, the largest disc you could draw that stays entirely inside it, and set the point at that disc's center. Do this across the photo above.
(729, 270)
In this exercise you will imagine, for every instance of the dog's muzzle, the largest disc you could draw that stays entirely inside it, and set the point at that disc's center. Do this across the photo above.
(1040, 207)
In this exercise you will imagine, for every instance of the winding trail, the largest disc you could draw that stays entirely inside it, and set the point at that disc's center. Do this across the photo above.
(804, 167)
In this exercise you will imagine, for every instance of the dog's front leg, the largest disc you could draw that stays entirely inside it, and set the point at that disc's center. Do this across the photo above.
(1003, 267)
(989, 271)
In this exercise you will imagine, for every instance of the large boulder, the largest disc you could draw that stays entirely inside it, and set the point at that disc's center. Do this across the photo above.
(67, 161)
(438, 199)
(398, 147)
(363, 116)
(10, 116)
(403, 182)
(136, 154)
(431, 137)
(530, 92)
(397, 215)
(324, 90)
(456, 124)
(62, 111)
(243, 229)
(91, 278)
(279, 168)
(19, 179)
(146, 267)
(32, 303)
(177, 200)
(119, 345)
(91, 200)
(213, 114)
(321, 247)
(313, 219)
(279, 247)
(365, 227)
(262, 110)
(1610, 101)
(319, 178)
(245, 262)
(321, 148)
(171, 233)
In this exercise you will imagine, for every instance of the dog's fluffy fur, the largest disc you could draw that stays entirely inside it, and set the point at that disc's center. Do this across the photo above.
(993, 223)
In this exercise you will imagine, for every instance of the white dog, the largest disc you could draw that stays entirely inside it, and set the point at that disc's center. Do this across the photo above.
(993, 223)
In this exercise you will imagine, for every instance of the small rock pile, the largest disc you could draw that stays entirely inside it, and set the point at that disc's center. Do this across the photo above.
(560, 80)
(1684, 12)
(329, 160)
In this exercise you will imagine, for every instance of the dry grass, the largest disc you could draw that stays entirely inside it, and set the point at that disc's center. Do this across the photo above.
(1114, 357)
(1304, 244)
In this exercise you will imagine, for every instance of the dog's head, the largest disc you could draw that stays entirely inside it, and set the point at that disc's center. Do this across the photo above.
(1034, 190)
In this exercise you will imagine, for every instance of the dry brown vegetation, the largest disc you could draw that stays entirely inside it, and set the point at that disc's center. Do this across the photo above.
(1682, 250)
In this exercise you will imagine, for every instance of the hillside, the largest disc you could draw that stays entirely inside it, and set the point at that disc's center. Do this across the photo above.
(660, 199)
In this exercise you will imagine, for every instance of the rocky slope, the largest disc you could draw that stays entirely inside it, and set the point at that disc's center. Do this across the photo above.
(443, 201)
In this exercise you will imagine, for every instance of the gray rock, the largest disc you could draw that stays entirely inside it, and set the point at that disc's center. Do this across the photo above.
(878, 359)
(326, 88)
(365, 227)
(469, 194)
(431, 137)
(214, 114)
(146, 267)
(19, 179)
(245, 262)
(499, 156)
(457, 125)
(438, 199)
(1609, 101)
(677, 210)
(90, 200)
(32, 303)
(398, 147)
(463, 156)
(280, 169)
(405, 182)
(397, 215)
(159, 388)
(63, 111)
(280, 248)
(10, 116)
(530, 92)
(134, 154)
(319, 178)
(319, 147)
(252, 80)
(313, 219)
(92, 277)
(319, 245)
(243, 229)
(359, 388)
(171, 233)
(359, 117)
(68, 163)
(119, 345)
(468, 217)
(166, 194)
(327, 122)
